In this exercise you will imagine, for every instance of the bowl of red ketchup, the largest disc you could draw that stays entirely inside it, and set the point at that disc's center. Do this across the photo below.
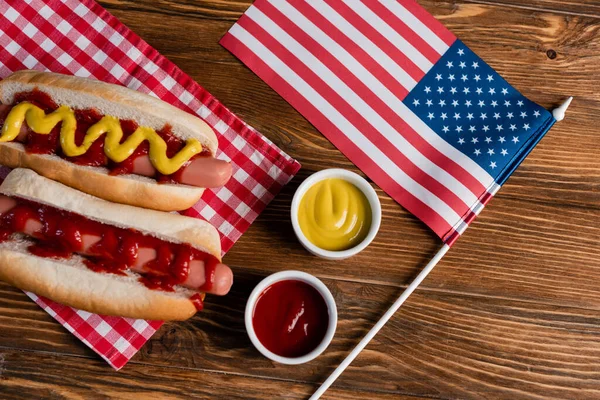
(291, 317)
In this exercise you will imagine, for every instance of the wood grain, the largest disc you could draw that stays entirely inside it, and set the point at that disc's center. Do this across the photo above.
(574, 7)
(73, 378)
(511, 312)
(439, 345)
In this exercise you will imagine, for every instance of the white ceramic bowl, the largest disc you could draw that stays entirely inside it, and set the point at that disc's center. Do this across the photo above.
(361, 184)
(298, 276)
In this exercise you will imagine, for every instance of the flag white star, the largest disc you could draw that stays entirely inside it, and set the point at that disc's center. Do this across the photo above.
(496, 115)
(507, 103)
(455, 103)
(471, 128)
(449, 64)
(416, 102)
(438, 77)
(444, 116)
(462, 64)
(446, 129)
(485, 128)
(494, 103)
(491, 152)
(513, 127)
(442, 103)
(430, 116)
(429, 103)
(453, 90)
(492, 91)
(451, 77)
(468, 103)
(536, 113)
(488, 140)
(461, 141)
(523, 114)
(456, 116)
(461, 52)
(427, 89)
(474, 140)
(440, 90)
(483, 116)
(504, 152)
(510, 115)
(499, 128)
(477, 152)
(464, 78)
(466, 90)
(470, 116)
(477, 78)
(479, 90)
(492, 164)
(526, 127)
(490, 78)
(515, 139)
(475, 64)
(481, 103)
(520, 103)
(505, 91)
(501, 139)
(459, 129)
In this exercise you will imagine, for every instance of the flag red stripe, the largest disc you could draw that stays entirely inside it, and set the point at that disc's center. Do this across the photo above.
(451, 237)
(381, 41)
(355, 118)
(337, 137)
(429, 20)
(487, 196)
(403, 30)
(374, 101)
(338, 36)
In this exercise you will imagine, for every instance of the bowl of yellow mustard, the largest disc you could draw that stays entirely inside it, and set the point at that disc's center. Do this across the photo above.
(335, 213)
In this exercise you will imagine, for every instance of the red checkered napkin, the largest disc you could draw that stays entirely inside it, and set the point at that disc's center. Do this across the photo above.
(83, 39)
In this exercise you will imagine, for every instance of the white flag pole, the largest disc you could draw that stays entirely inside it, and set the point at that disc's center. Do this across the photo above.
(559, 114)
(380, 324)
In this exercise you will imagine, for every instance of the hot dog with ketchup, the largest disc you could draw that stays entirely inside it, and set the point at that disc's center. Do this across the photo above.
(107, 140)
(104, 257)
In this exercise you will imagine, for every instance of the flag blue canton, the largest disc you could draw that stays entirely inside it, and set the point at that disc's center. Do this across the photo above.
(475, 110)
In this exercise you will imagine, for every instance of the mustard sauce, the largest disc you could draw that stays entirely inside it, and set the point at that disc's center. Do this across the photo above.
(334, 215)
(43, 124)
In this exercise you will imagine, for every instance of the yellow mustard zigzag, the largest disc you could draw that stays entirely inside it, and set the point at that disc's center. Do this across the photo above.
(43, 124)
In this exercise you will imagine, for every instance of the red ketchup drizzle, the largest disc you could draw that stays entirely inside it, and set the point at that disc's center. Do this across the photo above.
(95, 156)
(290, 318)
(197, 300)
(61, 236)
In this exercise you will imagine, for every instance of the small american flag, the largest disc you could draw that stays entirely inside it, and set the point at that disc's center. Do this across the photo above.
(413, 107)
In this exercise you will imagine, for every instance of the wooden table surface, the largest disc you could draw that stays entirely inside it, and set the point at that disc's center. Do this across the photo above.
(513, 310)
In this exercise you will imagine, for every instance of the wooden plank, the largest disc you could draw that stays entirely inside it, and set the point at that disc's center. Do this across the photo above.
(574, 7)
(511, 312)
(438, 345)
(28, 375)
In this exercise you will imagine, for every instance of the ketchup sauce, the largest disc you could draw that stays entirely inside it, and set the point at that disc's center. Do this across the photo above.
(95, 156)
(290, 318)
(62, 235)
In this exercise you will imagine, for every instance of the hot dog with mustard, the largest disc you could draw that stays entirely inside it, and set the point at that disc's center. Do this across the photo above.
(107, 140)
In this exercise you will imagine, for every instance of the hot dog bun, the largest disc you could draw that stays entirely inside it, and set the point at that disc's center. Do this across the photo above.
(120, 102)
(70, 282)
